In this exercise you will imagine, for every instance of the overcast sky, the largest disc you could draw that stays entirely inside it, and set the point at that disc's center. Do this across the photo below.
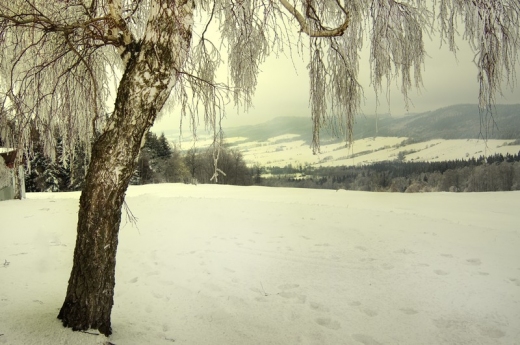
(283, 89)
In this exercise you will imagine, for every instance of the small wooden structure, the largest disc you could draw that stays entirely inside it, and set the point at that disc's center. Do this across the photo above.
(9, 156)
(8, 192)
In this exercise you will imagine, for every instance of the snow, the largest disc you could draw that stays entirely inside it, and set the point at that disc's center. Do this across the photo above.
(291, 149)
(213, 264)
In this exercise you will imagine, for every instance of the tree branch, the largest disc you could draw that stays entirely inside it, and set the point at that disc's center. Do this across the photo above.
(110, 29)
(338, 31)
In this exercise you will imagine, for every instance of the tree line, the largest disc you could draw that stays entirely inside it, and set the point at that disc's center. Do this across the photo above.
(483, 174)
(158, 162)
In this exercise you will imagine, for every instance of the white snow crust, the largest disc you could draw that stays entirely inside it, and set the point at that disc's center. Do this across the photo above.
(213, 264)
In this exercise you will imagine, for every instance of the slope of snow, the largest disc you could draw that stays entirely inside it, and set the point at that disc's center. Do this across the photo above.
(250, 265)
(291, 149)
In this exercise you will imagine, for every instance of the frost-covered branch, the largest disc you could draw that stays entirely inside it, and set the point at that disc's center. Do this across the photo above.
(306, 28)
(397, 45)
(492, 28)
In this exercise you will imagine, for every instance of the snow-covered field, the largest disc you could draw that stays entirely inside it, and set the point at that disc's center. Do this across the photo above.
(370, 150)
(291, 149)
(250, 265)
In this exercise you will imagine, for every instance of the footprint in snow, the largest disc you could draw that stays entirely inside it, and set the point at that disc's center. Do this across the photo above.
(291, 295)
(441, 272)
(491, 332)
(365, 339)
(318, 307)
(474, 262)
(409, 311)
(370, 312)
(328, 323)
(515, 281)
(404, 251)
(387, 266)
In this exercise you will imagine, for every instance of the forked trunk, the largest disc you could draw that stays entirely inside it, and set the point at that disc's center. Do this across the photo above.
(146, 83)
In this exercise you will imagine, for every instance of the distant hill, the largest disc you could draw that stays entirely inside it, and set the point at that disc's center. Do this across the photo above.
(273, 128)
(461, 121)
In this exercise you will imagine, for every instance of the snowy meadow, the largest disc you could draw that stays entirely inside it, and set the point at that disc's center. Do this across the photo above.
(214, 264)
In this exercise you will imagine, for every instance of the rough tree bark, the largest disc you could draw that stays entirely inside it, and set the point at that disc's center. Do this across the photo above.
(147, 81)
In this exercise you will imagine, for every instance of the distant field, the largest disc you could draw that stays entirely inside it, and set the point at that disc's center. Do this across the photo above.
(291, 149)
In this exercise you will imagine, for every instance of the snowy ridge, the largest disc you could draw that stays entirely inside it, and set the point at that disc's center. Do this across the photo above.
(250, 265)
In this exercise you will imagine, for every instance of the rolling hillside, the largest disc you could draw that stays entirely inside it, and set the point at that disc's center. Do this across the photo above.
(461, 121)
(455, 132)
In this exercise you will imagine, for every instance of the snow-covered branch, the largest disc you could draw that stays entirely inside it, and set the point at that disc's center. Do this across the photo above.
(306, 28)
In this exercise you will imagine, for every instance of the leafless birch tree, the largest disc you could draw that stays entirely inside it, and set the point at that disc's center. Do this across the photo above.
(59, 60)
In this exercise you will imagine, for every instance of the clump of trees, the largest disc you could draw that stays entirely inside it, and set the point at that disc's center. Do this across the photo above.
(493, 173)
(158, 162)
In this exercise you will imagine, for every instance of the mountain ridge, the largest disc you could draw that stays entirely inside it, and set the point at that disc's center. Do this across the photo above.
(460, 121)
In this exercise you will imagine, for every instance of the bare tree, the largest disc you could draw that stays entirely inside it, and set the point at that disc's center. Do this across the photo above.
(60, 58)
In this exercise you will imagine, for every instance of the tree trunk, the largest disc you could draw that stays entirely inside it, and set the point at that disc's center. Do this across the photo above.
(19, 188)
(146, 83)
